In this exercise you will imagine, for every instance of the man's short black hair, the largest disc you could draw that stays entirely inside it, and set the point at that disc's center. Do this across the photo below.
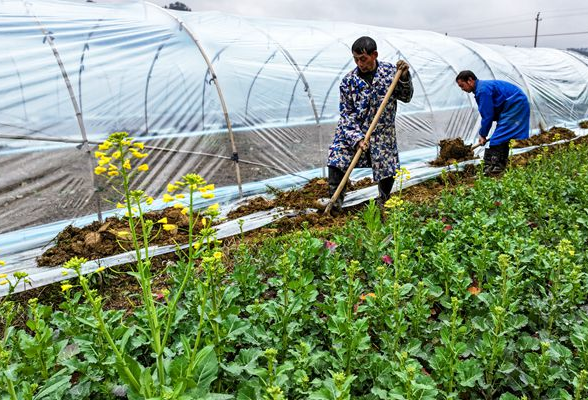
(364, 44)
(465, 76)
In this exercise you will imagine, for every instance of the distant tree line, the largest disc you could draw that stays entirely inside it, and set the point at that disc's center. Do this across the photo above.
(178, 5)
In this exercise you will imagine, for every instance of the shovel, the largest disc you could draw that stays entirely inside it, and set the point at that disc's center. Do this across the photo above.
(366, 140)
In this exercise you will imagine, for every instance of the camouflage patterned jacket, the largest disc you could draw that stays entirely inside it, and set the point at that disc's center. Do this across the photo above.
(358, 105)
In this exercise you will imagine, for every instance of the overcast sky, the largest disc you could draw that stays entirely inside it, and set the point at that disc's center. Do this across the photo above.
(488, 21)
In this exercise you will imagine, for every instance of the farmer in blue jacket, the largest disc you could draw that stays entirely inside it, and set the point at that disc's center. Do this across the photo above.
(361, 93)
(504, 103)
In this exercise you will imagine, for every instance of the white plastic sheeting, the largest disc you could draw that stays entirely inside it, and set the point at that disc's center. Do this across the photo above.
(199, 87)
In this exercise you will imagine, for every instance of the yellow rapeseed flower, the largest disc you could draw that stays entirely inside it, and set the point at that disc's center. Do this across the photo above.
(120, 205)
(3, 276)
(100, 269)
(167, 198)
(197, 245)
(99, 170)
(105, 145)
(178, 205)
(393, 202)
(171, 187)
(213, 207)
(209, 186)
(143, 167)
(113, 173)
(104, 160)
(127, 164)
(3, 282)
(125, 142)
(149, 200)
(138, 154)
(139, 145)
(99, 154)
(112, 167)
(185, 210)
(180, 196)
(2, 263)
(208, 195)
(162, 221)
(116, 155)
(204, 221)
(64, 273)
(169, 227)
(218, 255)
(65, 287)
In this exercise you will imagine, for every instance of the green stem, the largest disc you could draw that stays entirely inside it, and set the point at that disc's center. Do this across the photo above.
(10, 387)
(187, 273)
(453, 358)
(144, 273)
(97, 311)
(285, 321)
(493, 357)
(348, 338)
(554, 298)
(198, 336)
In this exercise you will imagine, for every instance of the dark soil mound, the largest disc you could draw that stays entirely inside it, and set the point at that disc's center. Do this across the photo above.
(583, 124)
(553, 135)
(99, 240)
(452, 150)
(299, 199)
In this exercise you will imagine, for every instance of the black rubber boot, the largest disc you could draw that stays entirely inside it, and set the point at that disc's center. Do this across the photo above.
(384, 189)
(335, 177)
(496, 159)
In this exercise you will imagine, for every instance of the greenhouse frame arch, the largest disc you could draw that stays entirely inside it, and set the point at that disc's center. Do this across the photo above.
(147, 70)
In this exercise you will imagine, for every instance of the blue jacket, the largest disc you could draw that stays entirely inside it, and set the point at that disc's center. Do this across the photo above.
(506, 104)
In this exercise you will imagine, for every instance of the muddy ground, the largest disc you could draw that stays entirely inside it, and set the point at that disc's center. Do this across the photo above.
(554, 134)
(127, 286)
(99, 240)
(455, 150)
(452, 151)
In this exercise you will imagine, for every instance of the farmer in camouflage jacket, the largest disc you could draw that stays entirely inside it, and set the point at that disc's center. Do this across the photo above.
(361, 93)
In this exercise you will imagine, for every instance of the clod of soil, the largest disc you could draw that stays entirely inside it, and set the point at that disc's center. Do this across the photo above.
(298, 199)
(99, 240)
(583, 124)
(453, 150)
(554, 134)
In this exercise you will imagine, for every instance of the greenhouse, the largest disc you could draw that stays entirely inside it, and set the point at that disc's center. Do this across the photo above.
(162, 236)
(206, 89)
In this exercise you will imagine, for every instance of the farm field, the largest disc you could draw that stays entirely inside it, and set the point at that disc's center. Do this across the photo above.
(476, 293)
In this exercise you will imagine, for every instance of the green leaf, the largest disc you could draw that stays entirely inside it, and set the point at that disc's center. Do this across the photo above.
(247, 392)
(508, 396)
(468, 373)
(130, 332)
(55, 386)
(205, 370)
(135, 368)
(234, 326)
(527, 343)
